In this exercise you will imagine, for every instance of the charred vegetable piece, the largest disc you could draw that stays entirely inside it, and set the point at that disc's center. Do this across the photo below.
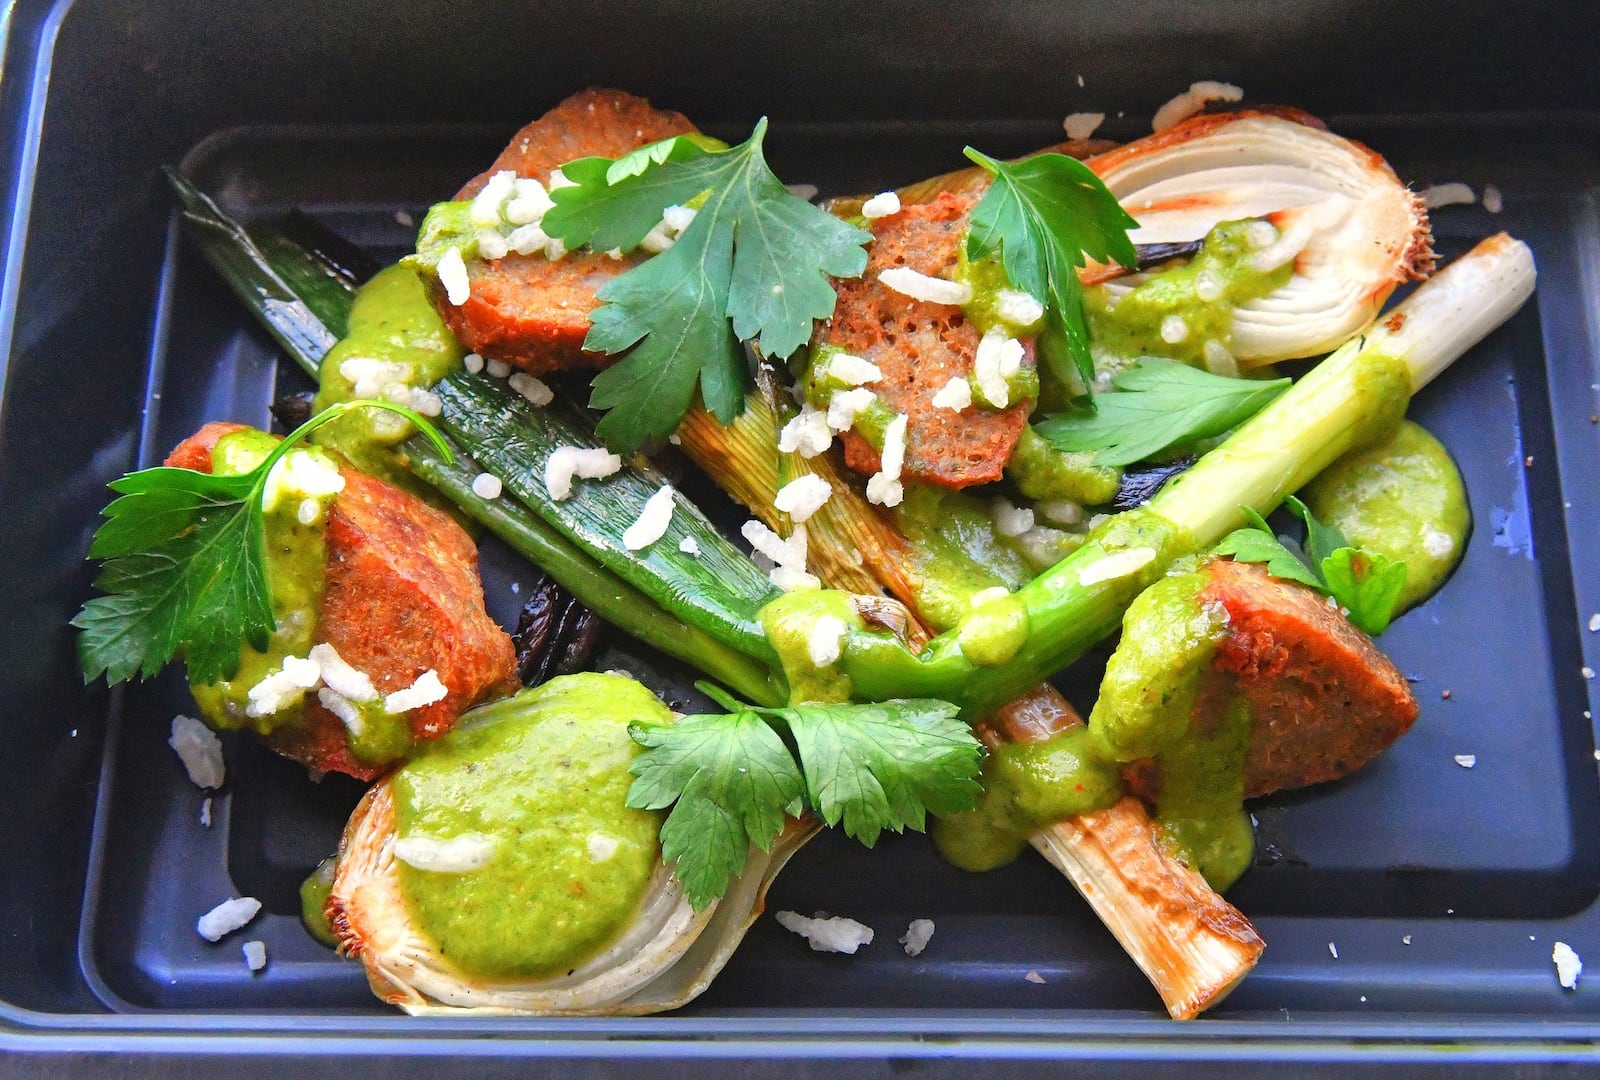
(555, 634)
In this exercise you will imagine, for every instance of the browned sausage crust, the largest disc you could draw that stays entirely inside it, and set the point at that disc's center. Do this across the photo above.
(920, 347)
(402, 596)
(1324, 700)
(528, 310)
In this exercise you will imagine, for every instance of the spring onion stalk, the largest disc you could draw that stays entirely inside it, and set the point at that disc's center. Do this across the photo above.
(590, 583)
(1350, 398)
(307, 318)
(716, 588)
(1191, 943)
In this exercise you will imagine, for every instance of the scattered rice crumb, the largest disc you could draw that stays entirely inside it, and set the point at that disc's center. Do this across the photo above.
(339, 675)
(955, 395)
(845, 405)
(689, 546)
(1119, 564)
(932, 290)
(1594, 623)
(917, 936)
(852, 370)
(835, 934)
(1453, 194)
(1492, 199)
(255, 955)
(998, 358)
(1082, 125)
(497, 369)
(825, 642)
(205, 813)
(425, 691)
(881, 205)
(1034, 977)
(1467, 761)
(1568, 965)
(567, 462)
(453, 276)
(803, 496)
(1192, 100)
(602, 847)
(654, 519)
(404, 218)
(1586, 671)
(1018, 307)
(457, 855)
(807, 434)
(486, 486)
(227, 917)
(1010, 520)
(1406, 940)
(533, 390)
(1333, 950)
(1080, 82)
(200, 751)
(884, 487)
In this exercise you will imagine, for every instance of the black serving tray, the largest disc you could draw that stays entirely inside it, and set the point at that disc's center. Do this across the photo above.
(1441, 889)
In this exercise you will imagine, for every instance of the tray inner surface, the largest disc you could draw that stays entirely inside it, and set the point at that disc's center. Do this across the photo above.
(1483, 868)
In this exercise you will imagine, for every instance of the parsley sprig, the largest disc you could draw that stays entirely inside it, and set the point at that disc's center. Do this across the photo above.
(752, 266)
(1366, 584)
(185, 566)
(1162, 404)
(732, 779)
(1042, 215)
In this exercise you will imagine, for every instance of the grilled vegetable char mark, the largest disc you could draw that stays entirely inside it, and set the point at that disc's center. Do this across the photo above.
(402, 597)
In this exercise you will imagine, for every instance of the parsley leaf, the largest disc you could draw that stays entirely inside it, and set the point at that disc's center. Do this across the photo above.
(1162, 404)
(878, 767)
(1365, 584)
(1043, 215)
(732, 779)
(1256, 543)
(186, 567)
(755, 256)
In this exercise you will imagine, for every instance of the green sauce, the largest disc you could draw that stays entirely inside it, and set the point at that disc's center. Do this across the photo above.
(955, 553)
(392, 323)
(1150, 682)
(1403, 499)
(297, 557)
(542, 776)
(1040, 471)
(1025, 786)
(1131, 327)
(992, 634)
(314, 892)
(1145, 709)
(988, 280)
(788, 622)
